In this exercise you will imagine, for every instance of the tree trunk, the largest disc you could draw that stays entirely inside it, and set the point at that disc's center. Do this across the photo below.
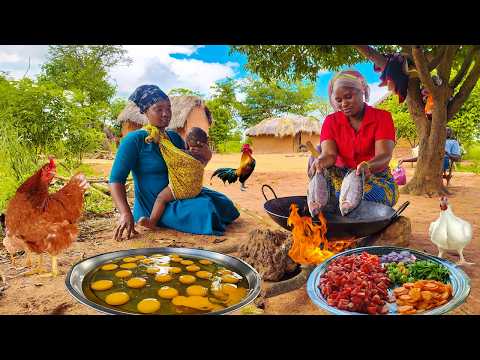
(432, 135)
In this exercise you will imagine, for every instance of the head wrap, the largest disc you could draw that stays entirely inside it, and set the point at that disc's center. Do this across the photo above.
(347, 78)
(146, 95)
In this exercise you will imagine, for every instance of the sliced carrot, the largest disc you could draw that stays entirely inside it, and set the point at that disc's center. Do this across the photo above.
(431, 287)
(405, 308)
(400, 291)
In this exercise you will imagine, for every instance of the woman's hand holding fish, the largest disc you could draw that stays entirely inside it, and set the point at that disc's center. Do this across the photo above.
(365, 166)
(319, 164)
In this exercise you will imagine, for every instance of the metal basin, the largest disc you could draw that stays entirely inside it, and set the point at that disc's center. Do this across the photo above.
(79, 271)
(458, 279)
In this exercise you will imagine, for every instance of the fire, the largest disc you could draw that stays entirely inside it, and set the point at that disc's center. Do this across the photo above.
(310, 245)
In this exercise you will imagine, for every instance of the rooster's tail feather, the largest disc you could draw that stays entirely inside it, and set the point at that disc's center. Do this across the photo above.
(225, 174)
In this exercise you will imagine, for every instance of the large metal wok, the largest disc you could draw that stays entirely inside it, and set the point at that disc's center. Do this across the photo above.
(367, 219)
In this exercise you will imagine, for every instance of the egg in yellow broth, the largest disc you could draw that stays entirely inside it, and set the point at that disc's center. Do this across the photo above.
(150, 285)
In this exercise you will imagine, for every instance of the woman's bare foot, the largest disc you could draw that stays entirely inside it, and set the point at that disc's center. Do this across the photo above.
(147, 223)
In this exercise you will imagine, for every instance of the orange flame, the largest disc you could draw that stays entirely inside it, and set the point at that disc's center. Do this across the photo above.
(310, 245)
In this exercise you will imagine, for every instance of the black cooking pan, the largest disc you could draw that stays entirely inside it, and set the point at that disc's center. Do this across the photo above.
(367, 219)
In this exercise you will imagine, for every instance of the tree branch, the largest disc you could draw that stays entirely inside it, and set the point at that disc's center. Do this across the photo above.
(406, 51)
(445, 66)
(465, 67)
(465, 90)
(436, 59)
(373, 55)
(422, 67)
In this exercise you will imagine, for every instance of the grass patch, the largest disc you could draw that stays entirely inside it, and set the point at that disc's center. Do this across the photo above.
(473, 166)
(232, 146)
(97, 204)
(473, 152)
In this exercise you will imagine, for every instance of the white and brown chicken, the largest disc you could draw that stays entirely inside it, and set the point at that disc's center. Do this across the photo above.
(450, 233)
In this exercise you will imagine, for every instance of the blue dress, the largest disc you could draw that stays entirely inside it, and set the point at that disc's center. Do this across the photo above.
(207, 214)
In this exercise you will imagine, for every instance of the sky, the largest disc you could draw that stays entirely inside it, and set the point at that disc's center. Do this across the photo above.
(196, 67)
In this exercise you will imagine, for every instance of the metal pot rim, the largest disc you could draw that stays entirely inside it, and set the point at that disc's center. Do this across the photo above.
(76, 274)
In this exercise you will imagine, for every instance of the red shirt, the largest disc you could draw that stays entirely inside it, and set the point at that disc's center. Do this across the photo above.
(355, 147)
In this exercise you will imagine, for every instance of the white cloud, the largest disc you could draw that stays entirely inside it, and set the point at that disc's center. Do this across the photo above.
(6, 57)
(14, 59)
(153, 64)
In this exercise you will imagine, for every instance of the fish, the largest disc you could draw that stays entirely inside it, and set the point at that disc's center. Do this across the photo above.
(318, 194)
(351, 192)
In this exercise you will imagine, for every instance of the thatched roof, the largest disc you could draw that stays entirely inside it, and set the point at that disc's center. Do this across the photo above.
(132, 113)
(287, 125)
(181, 108)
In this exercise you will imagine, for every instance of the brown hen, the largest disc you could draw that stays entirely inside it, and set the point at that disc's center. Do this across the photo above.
(39, 222)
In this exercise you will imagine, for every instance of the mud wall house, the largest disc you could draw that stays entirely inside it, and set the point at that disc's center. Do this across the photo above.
(284, 134)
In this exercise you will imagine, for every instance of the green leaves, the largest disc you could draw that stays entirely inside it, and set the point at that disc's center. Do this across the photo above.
(183, 92)
(224, 109)
(428, 270)
(38, 119)
(264, 99)
(84, 68)
(404, 124)
(298, 62)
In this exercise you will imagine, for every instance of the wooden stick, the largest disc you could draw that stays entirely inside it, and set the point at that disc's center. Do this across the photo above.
(100, 192)
(90, 180)
(103, 189)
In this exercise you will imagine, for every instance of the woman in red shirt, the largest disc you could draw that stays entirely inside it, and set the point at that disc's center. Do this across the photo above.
(357, 137)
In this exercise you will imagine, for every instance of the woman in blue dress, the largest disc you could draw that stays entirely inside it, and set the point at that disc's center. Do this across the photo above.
(207, 214)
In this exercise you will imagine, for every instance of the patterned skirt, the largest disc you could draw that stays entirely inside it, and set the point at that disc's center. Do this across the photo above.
(381, 187)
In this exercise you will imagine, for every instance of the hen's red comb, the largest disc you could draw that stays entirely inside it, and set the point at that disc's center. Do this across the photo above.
(52, 162)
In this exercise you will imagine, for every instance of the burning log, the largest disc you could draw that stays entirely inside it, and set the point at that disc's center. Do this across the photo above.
(310, 244)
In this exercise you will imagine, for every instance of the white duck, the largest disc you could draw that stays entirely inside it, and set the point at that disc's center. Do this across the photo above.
(449, 232)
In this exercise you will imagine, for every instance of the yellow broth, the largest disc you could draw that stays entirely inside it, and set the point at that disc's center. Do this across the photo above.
(150, 290)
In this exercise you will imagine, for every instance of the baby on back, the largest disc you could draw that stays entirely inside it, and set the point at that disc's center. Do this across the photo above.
(195, 137)
(185, 177)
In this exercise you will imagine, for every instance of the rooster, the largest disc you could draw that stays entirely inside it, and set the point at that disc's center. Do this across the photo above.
(39, 222)
(449, 232)
(247, 165)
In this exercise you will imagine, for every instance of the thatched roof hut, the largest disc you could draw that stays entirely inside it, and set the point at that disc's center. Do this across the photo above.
(188, 112)
(131, 113)
(284, 134)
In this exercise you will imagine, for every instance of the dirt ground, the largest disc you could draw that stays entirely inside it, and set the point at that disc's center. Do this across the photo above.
(286, 174)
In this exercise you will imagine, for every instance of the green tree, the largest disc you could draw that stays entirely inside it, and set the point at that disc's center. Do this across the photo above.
(183, 92)
(115, 108)
(466, 123)
(84, 68)
(223, 106)
(264, 99)
(404, 124)
(295, 62)
(50, 120)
